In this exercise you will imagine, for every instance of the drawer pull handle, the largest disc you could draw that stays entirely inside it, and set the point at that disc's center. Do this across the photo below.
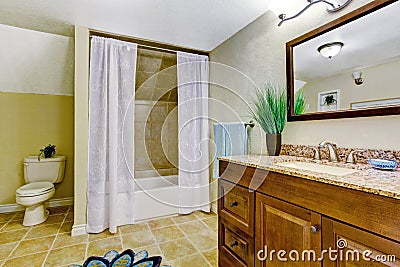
(314, 229)
(234, 244)
(234, 204)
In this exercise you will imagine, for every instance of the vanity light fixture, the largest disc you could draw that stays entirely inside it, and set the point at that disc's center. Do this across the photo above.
(330, 50)
(332, 7)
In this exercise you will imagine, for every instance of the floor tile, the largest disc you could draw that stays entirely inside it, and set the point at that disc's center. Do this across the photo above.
(35, 260)
(14, 225)
(138, 239)
(196, 259)
(195, 227)
(66, 255)
(43, 230)
(55, 219)
(65, 239)
(5, 217)
(32, 246)
(177, 248)
(6, 249)
(66, 227)
(19, 215)
(211, 256)
(69, 217)
(12, 236)
(58, 210)
(184, 218)
(204, 215)
(159, 223)
(131, 228)
(211, 222)
(105, 234)
(167, 233)
(153, 250)
(204, 241)
(102, 246)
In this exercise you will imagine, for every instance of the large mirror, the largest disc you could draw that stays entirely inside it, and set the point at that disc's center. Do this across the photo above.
(349, 67)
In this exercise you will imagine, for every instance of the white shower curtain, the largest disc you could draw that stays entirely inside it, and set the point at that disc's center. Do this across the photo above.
(194, 134)
(111, 134)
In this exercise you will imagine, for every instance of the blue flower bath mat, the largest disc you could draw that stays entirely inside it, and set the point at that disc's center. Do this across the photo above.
(128, 258)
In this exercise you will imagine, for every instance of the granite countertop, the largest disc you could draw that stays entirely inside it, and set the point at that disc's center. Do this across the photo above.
(367, 179)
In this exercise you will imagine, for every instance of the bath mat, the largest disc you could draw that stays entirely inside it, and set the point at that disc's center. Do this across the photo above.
(128, 258)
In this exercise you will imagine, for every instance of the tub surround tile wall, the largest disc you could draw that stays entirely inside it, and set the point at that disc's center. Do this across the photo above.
(156, 135)
(360, 157)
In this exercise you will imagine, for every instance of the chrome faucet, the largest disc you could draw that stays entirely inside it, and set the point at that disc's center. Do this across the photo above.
(332, 150)
(350, 157)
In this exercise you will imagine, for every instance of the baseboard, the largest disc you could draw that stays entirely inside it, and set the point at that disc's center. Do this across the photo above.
(51, 203)
(79, 229)
(214, 208)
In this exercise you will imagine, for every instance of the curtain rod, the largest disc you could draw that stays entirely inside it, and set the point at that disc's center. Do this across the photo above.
(146, 43)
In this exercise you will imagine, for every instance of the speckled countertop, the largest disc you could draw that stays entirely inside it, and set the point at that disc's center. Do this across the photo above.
(367, 179)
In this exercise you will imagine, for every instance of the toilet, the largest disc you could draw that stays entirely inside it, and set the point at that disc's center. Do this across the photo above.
(40, 177)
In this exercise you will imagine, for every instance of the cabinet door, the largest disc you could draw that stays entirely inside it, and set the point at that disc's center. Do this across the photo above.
(286, 230)
(357, 248)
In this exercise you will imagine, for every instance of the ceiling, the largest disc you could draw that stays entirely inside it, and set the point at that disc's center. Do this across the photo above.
(197, 24)
(368, 41)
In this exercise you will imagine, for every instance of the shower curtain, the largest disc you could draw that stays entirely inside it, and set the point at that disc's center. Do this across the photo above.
(194, 134)
(111, 134)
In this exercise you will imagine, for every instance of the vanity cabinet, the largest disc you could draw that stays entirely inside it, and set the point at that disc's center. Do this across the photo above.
(280, 225)
(259, 209)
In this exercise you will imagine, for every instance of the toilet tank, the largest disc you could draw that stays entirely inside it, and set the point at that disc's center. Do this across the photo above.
(45, 169)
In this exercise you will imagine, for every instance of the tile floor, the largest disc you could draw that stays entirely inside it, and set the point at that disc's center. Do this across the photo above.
(180, 240)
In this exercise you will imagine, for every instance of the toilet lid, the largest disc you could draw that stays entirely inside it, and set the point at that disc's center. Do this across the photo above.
(33, 189)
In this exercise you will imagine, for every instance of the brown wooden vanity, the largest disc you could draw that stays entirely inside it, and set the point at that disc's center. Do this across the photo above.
(259, 208)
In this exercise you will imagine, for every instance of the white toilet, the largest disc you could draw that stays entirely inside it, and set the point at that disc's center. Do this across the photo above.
(40, 177)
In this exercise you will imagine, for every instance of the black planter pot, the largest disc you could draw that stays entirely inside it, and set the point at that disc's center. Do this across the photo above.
(273, 144)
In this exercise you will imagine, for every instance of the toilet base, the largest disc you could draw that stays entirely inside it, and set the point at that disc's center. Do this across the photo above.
(35, 214)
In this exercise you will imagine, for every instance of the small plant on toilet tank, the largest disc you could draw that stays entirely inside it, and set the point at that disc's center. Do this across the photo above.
(47, 151)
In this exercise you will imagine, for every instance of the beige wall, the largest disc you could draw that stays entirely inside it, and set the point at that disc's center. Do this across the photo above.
(28, 122)
(258, 51)
(255, 55)
(374, 77)
(81, 128)
(36, 104)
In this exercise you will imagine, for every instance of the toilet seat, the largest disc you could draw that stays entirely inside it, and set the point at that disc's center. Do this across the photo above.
(34, 189)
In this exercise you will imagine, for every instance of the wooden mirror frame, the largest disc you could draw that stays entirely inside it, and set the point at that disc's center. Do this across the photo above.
(354, 15)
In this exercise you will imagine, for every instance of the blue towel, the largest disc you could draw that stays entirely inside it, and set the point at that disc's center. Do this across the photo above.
(230, 139)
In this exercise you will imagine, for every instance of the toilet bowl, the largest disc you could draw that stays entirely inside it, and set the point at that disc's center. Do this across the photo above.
(33, 197)
(39, 177)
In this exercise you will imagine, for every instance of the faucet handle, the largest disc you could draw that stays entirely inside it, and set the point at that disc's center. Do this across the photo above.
(350, 157)
(316, 153)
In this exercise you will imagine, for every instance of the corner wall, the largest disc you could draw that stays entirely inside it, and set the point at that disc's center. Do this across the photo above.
(258, 51)
(36, 104)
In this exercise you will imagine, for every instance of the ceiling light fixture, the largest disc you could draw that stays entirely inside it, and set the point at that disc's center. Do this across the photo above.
(332, 7)
(330, 50)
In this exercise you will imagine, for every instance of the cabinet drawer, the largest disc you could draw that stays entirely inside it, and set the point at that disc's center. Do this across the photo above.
(236, 205)
(235, 247)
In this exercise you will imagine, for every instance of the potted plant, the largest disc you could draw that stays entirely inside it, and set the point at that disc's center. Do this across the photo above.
(47, 151)
(270, 112)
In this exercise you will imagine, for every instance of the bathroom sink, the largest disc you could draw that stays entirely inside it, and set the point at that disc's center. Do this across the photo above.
(315, 167)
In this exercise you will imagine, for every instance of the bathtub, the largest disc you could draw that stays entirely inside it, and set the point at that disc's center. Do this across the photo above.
(156, 197)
